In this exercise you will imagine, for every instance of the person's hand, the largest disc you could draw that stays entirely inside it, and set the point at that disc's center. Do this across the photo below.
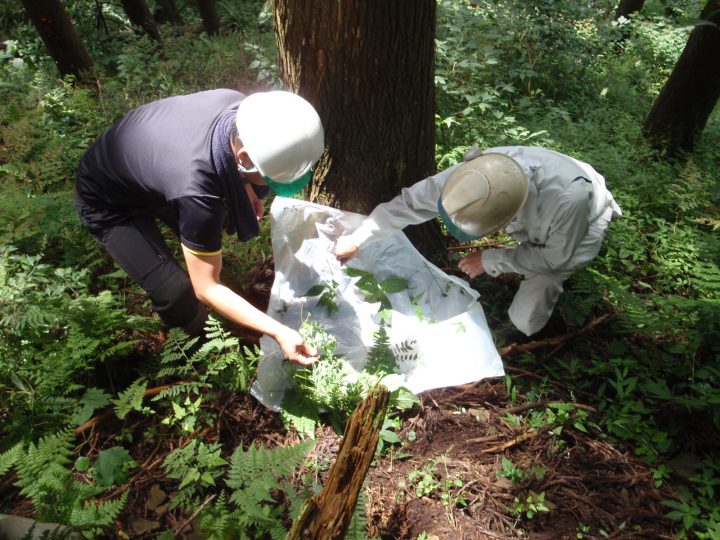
(345, 249)
(295, 348)
(472, 264)
(256, 201)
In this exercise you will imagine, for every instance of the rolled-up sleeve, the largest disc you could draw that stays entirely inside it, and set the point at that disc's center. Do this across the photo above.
(415, 204)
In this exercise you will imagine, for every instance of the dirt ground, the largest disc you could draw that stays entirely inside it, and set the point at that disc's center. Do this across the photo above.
(592, 490)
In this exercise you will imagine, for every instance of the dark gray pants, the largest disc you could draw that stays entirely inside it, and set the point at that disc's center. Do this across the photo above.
(139, 248)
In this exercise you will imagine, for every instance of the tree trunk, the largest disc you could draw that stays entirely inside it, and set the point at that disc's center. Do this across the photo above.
(328, 515)
(59, 36)
(368, 67)
(680, 111)
(167, 11)
(627, 7)
(139, 14)
(208, 12)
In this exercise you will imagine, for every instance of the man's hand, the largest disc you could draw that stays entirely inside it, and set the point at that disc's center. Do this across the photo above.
(472, 264)
(345, 249)
(256, 201)
(295, 348)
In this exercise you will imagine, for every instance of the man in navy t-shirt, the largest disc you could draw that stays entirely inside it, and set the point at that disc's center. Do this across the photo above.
(189, 161)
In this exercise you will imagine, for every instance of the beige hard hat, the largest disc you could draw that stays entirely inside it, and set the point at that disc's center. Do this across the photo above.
(283, 136)
(482, 195)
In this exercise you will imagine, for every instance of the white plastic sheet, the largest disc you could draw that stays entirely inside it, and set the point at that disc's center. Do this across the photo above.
(445, 324)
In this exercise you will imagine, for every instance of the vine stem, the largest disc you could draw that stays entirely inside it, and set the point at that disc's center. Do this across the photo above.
(178, 528)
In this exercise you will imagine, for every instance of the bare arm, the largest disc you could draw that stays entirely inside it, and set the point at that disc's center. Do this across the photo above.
(205, 277)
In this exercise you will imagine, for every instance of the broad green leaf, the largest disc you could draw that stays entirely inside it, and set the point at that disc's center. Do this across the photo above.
(394, 284)
(315, 290)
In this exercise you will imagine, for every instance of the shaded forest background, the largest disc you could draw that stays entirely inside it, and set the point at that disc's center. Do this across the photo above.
(99, 405)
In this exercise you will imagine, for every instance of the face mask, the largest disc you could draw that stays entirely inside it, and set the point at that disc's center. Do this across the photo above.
(289, 188)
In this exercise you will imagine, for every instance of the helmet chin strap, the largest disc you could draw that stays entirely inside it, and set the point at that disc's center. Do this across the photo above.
(244, 170)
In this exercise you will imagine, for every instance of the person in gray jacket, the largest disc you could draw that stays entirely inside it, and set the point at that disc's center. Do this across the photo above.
(557, 208)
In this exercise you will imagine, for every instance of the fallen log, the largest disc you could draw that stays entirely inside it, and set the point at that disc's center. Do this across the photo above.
(327, 516)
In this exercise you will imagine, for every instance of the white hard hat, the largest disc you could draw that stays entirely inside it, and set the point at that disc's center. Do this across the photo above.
(482, 195)
(283, 135)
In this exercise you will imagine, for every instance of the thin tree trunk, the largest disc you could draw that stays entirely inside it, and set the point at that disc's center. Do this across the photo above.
(208, 12)
(168, 11)
(681, 110)
(368, 67)
(139, 14)
(328, 515)
(628, 7)
(59, 36)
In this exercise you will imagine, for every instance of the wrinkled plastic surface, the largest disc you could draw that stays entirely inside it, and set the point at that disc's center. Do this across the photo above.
(437, 319)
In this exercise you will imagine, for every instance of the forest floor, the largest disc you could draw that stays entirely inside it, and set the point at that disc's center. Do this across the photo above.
(461, 434)
(443, 481)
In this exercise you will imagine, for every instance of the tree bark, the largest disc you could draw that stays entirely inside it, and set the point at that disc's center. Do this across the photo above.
(167, 11)
(139, 14)
(59, 36)
(368, 67)
(681, 110)
(328, 515)
(628, 7)
(208, 12)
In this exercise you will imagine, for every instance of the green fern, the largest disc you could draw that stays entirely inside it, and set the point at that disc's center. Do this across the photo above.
(380, 357)
(41, 470)
(254, 477)
(93, 519)
(53, 332)
(45, 477)
(260, 489)
(300, 413)
(196, 465)
(357, 530)
(332, 387)
(131, 399)
(9, 458)
(218, 361)
(219, 522)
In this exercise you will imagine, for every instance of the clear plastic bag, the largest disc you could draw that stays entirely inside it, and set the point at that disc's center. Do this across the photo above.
(436, 320)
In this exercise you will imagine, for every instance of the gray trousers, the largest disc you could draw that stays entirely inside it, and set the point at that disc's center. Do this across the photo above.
(537, 295)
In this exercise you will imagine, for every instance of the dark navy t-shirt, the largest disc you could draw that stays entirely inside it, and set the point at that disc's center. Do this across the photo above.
(158, 156)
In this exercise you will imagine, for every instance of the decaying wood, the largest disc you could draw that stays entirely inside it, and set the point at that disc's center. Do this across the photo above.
(327, 516)
(516, 348)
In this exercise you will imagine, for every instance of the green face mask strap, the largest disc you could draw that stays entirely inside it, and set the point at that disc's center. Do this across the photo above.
(289, 188)
(452, 228)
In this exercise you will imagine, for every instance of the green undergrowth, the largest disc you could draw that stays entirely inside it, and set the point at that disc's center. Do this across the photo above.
(331, 388)
(77, 339)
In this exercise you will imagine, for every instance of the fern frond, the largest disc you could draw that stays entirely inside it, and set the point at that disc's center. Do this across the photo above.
(51, 450)
(380, 357)
(42, 471)
(93, 517)
(130, 399)
(184, 388)
(357, 529)
(258, 463)
(304, 422)
(58, 533)
(9, 458)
